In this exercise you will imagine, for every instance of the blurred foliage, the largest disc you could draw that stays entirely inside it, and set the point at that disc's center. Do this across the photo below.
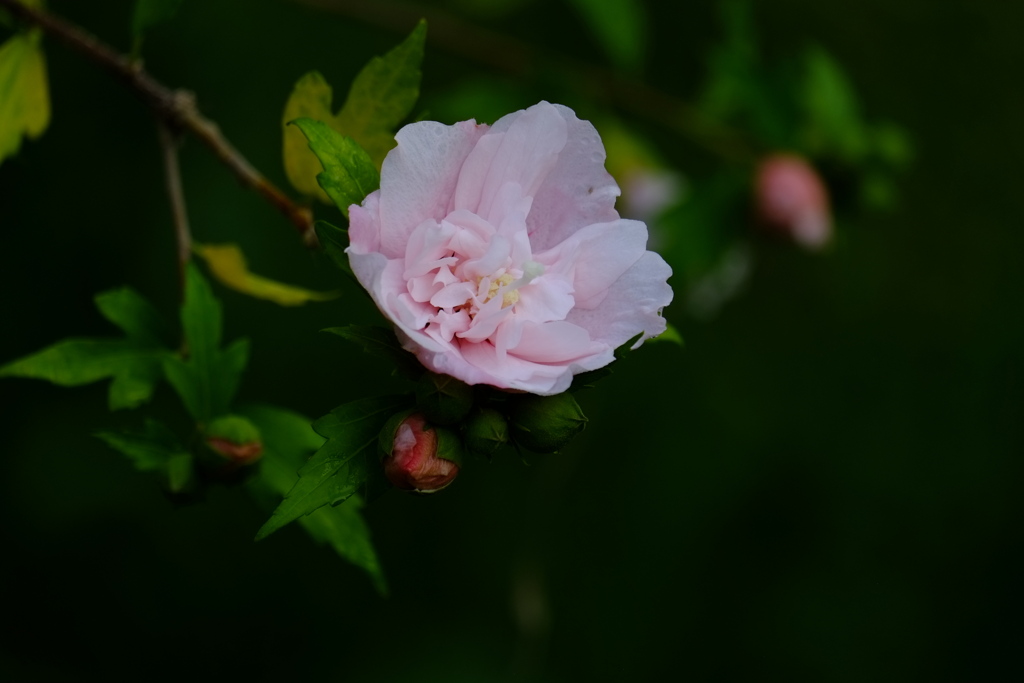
(821, 488)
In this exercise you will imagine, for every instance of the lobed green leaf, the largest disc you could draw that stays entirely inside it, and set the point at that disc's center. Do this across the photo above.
(349, 174)
(207, 379)
(345, 462)
(155, 449)
(381, 97)
(288, 441)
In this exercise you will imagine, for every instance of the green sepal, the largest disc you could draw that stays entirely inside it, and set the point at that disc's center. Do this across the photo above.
(587, 379)
(486, 432)
(154, 449)
(449, 445)
(207, 379)
(443, 399)
(349, 174)
(545, 424)
(381, 342)
(343, 465)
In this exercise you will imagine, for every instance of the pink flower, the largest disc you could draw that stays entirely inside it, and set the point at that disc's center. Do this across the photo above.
(791, 199)
(498, 254)
(414, 464)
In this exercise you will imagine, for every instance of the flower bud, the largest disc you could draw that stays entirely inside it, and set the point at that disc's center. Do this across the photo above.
(444, 400)
(545, 423)
(486, 431)
(235, 439)
(791, 199)
(420, 457)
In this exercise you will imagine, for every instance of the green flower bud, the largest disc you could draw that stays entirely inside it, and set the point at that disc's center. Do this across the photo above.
(486, 431)
(545, 423)
(444, 400)
(235, 439)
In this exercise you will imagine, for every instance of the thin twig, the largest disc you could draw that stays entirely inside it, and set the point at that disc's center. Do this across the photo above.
(518, 59)
(176, 109)
(169, 146)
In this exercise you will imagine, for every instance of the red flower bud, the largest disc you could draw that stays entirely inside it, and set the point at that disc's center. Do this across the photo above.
(791, 199)
(414, 463)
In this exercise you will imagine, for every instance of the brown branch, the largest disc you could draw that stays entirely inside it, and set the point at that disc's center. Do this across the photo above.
(176, 109)
(169, 146)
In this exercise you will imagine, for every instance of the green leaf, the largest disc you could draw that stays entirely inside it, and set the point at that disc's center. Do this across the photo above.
(208, 378)
(380, 98)
(127, 309)
(24, 93)
(671, 334)
(288, 441)
(149, 13)
(155, 449)
(383, 95)
(135, 363)
(620, 26)
(348, 174)
(382, 342)
(227, 263)
(342, 465)
(833, 125)
(333, 241)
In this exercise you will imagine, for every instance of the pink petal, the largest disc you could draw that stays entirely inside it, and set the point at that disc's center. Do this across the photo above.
(596, 256)
(364, 224)
(633, 304)
(419, 176)
(524, 152)
(577, 191)
(554, 342)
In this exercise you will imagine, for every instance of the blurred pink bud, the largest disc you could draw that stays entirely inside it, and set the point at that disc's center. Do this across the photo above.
(791, 199)
(238, 453)
(414, 463)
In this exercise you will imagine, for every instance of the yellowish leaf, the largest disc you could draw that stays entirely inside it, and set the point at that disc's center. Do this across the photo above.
(227, 263)
(24, 95)
(311, 98)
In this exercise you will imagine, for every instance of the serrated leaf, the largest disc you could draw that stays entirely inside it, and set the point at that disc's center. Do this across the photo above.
(134, 363)
(155, 449)
(333, 241)
(289, 440)
(310, 99)
(207, 379)
(381, 342)
(381, 96)
(620, 26)
(348, 174)
(345, 462)
(24, 92)
(227, 263)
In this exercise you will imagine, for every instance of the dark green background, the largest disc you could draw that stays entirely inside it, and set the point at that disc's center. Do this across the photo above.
(823, 486)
